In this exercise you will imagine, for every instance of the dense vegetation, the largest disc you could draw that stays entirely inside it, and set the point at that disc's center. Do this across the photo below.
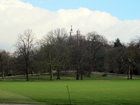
(59, 52)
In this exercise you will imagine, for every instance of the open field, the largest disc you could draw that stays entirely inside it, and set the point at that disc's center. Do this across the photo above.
(98, 92)
(64, 76)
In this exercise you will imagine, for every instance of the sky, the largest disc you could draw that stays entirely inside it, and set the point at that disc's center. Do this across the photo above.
(110, 18)
(122, 9)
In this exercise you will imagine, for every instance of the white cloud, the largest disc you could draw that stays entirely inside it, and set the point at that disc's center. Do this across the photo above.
(16, 16)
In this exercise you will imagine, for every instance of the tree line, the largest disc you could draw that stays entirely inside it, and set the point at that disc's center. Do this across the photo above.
(59, 52)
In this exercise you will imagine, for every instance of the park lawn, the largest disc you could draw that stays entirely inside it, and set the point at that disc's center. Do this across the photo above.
(97, 92)
(64, 76)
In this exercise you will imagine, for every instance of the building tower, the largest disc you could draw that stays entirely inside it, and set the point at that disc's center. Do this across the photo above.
(78, 32)
(71, 31)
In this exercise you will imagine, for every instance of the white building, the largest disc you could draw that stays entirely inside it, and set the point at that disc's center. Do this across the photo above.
(77, 35)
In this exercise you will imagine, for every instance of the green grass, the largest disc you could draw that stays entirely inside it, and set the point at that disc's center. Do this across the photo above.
(96, 92)
(99, 91)
(64, 76)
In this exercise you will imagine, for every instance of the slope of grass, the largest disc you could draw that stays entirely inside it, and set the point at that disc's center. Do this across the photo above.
(97, 92)
(10, 97)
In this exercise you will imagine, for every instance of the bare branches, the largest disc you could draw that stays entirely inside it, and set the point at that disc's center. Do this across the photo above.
(25, 45)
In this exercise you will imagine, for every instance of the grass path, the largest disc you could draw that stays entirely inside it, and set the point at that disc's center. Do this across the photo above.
(10, 97)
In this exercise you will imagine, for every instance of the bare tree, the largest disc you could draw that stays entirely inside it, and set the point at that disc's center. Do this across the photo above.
(96, 42)
(54, 48)
(24, 45)
(4, 60)
(128, 57)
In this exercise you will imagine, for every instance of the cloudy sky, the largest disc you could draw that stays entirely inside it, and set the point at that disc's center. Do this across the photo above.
(110, 18)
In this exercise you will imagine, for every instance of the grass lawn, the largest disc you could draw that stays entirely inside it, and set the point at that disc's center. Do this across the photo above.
(88, 91)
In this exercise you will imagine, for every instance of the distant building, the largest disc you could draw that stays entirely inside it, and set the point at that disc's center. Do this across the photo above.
(77, 35)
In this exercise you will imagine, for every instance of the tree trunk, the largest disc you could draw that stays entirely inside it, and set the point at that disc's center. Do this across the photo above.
(90, 69)
(51, 78)
(116, 72)
(2, 73)
(81, 76)
(32, 73)
(77, 76)
(27, 65)
(27, 74)
(89, 73)
(51, 70)
(58, 74)
(129, 73)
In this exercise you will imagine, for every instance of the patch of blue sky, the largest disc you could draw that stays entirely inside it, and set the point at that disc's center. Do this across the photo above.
(122, 9)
